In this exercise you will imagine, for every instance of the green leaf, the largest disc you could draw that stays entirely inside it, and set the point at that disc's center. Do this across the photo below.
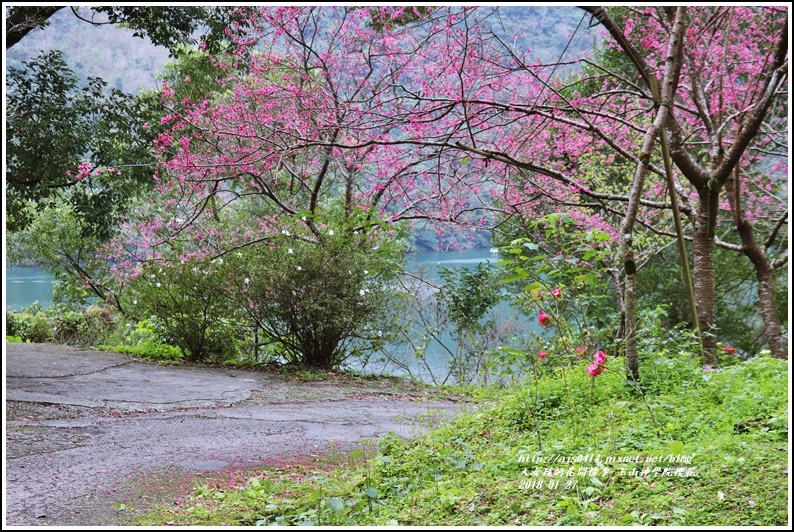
(336, 505)
(372, 493)
(677, 447)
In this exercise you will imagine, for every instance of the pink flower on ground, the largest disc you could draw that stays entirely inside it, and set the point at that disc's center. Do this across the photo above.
(544, 319)
(556, 293)
(542, 354)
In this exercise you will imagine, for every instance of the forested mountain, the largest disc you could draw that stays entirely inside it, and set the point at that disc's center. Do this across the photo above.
(127, 63)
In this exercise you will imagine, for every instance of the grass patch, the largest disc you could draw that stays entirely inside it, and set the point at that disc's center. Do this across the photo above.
(705, 448)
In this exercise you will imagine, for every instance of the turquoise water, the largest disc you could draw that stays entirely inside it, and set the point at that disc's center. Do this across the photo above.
(24, 285)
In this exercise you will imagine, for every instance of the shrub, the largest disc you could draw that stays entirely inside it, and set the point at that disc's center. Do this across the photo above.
(190, 307)
(323, 298)
(39, 330)
(66, 326)
(100, 325)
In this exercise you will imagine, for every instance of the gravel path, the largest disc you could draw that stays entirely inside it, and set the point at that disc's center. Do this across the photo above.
(86, 429)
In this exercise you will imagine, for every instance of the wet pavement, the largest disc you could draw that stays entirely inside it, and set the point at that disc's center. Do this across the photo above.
(87, 429)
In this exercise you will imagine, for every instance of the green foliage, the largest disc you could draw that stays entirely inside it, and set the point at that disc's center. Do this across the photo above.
(144, 342)
(469, 294)
(189, 305)
(54, 239)
(167, 26)
(467, 297)
(39, 329)
(728, 435)
(53, 125)
(101, 325)
(30, 323)
(323, 297)
(455, 330)
(738, 322)
(668, 356)
(560, 272)
(64, 324)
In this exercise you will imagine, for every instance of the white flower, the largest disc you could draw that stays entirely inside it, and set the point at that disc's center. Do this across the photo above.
(362, 292)
(331, 232)
(195, 269)
(366, 272)
(355, 232)
(289, 251)
(299, 268)
(239, 254)
(220, 261)
(158, 285)
(247, 280)
(134, 301)
(303, 218)
(284, 232)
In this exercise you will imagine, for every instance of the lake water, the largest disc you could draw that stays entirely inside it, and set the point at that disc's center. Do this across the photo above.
(25, 285)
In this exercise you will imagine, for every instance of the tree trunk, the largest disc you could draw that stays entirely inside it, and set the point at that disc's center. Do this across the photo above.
(703, 272)
(766, 299)
(764, 271)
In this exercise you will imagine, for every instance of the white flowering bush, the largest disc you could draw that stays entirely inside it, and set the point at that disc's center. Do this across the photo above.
(322, 300)
(191, 306)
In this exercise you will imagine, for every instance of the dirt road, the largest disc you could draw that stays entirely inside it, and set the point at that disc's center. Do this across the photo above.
(86, 429)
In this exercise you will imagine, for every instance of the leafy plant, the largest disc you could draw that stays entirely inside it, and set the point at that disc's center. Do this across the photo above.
(189, 305)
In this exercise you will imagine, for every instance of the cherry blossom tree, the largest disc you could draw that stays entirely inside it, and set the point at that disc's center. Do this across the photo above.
(709, 93)
(435, 117)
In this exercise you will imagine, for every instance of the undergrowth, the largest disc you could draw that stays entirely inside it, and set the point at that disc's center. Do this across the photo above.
(704, 448)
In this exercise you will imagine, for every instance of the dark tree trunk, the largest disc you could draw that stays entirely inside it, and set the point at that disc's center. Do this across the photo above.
(764, 272)
(703, 272)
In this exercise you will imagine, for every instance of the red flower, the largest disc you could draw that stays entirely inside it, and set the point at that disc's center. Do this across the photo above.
(556, 293)
(595, 369)
(542, 354)
(729, 350)
(580, 350)
(600, 357)
(544, 319)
